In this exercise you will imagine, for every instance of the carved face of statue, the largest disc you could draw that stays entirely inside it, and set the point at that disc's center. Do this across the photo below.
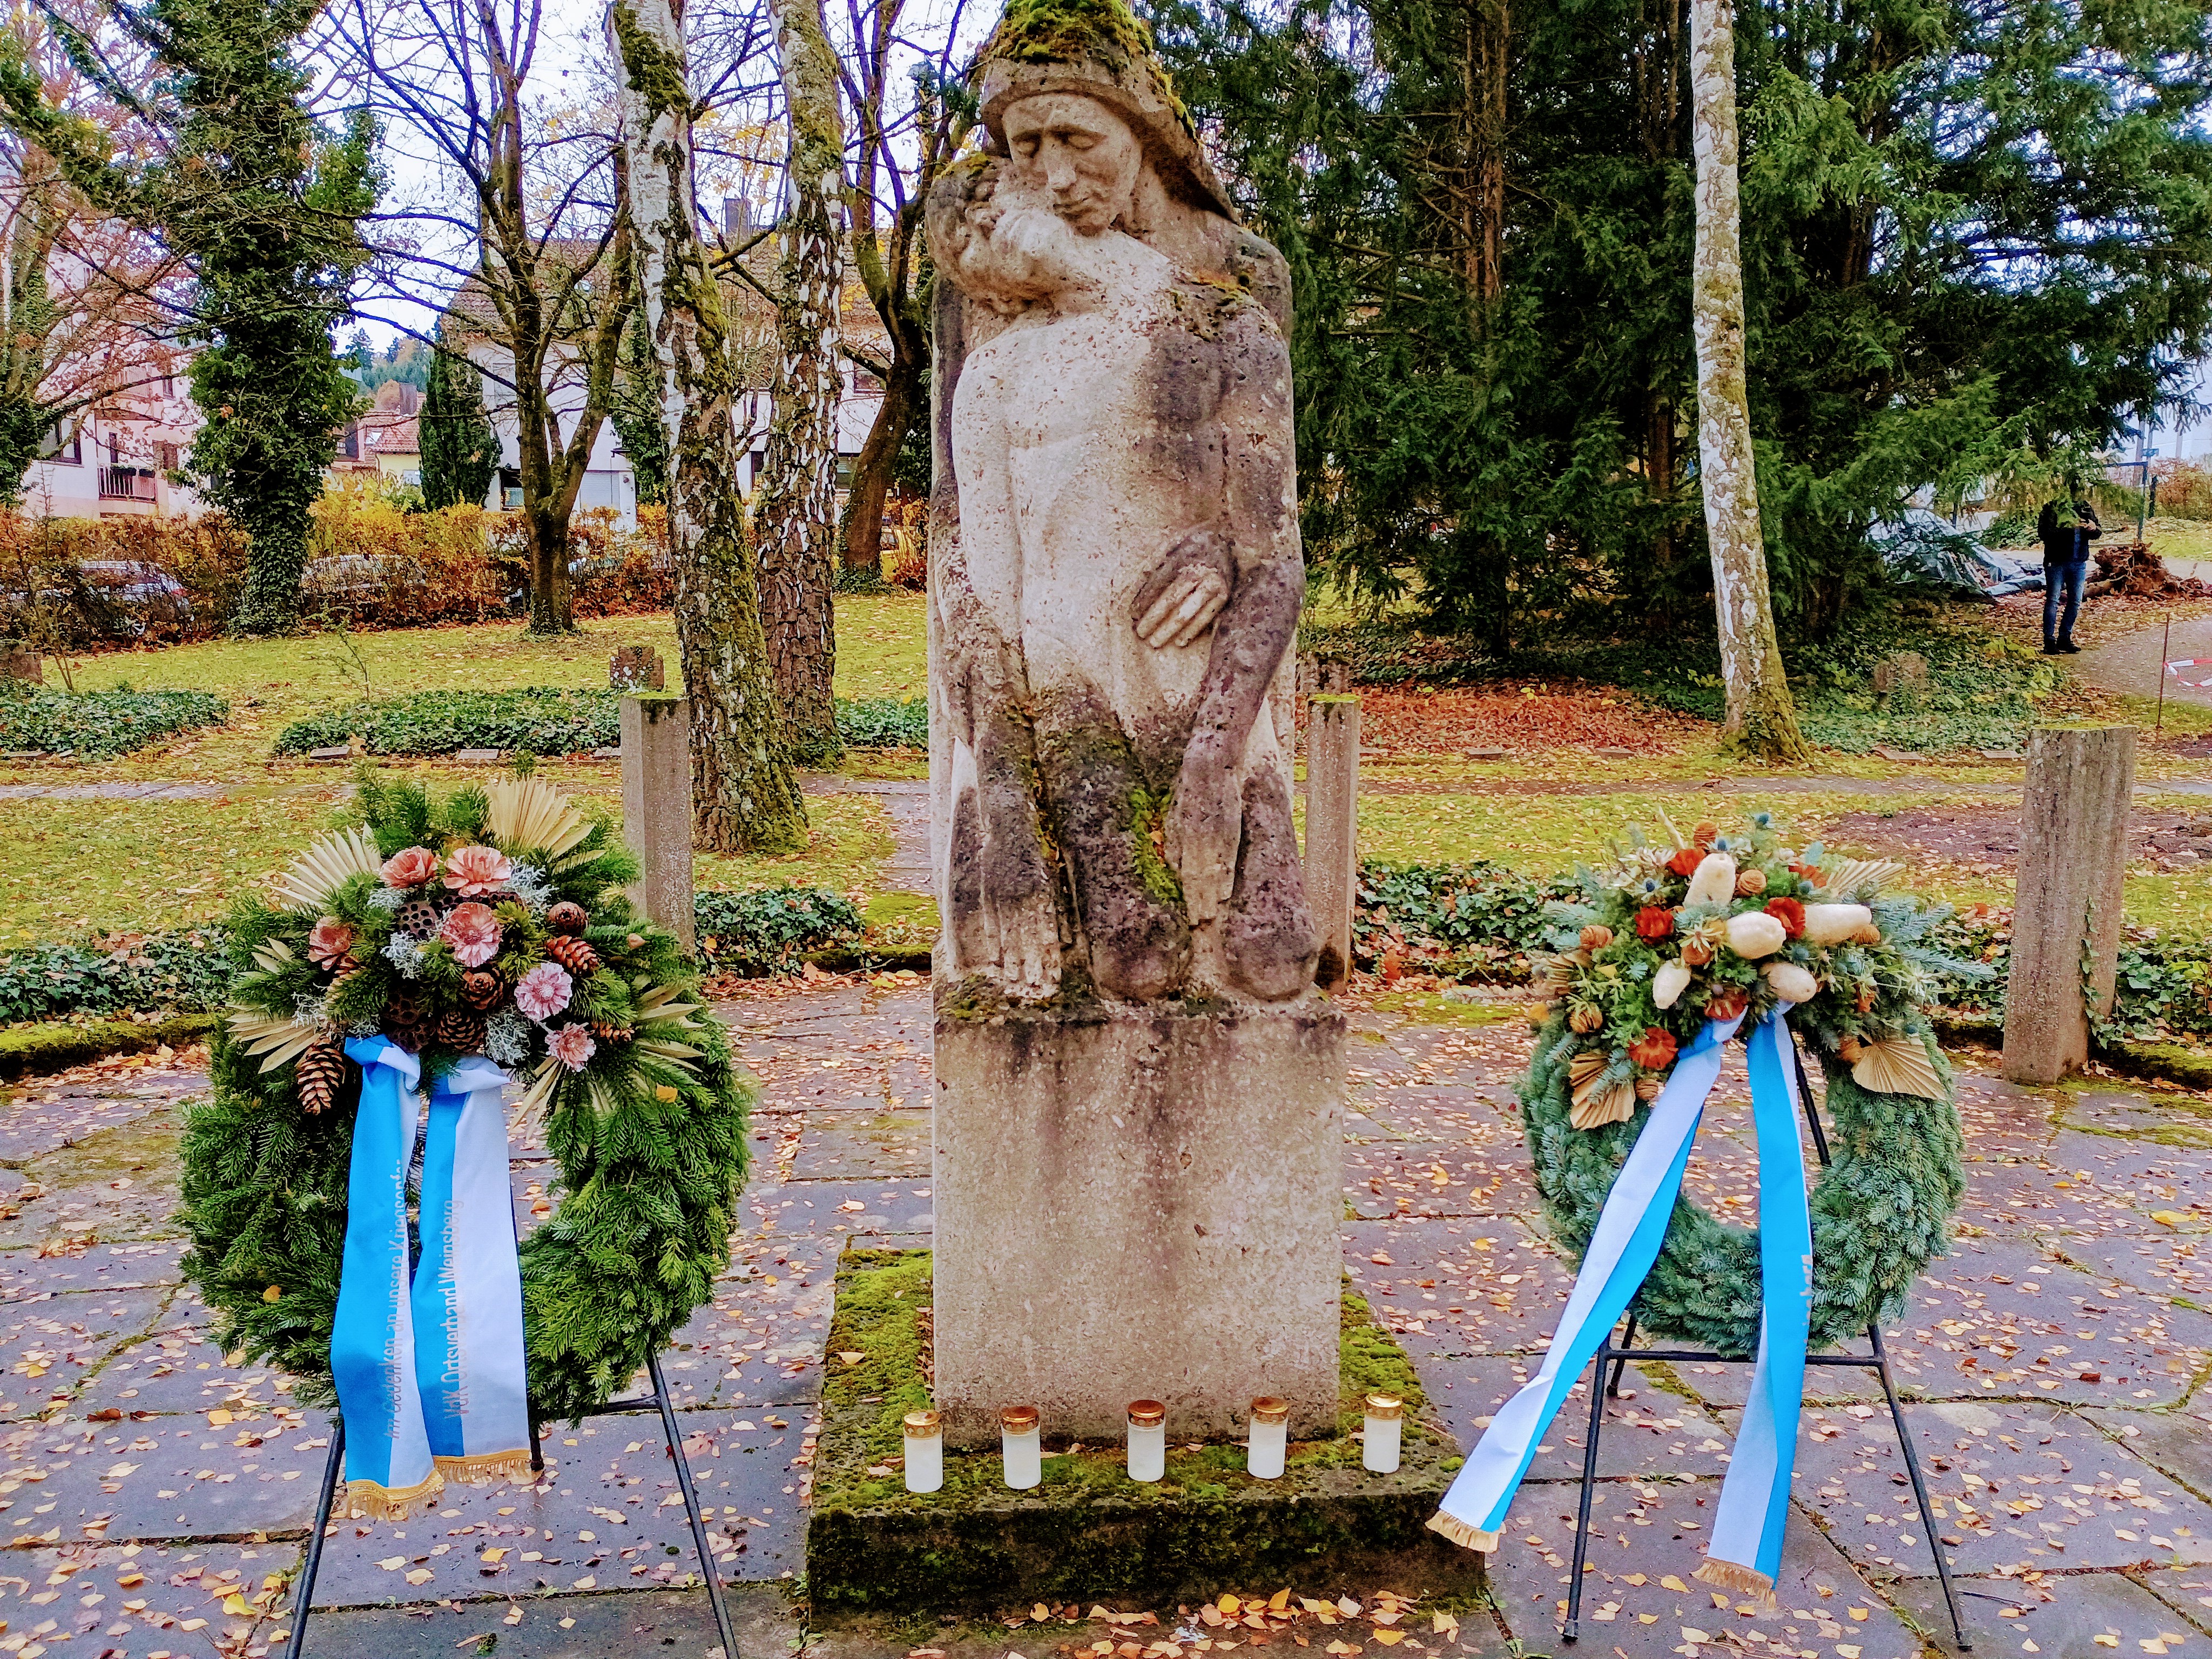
(1084, 155)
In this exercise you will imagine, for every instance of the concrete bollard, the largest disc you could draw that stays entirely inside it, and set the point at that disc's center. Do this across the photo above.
(656, 781)
(1332, 860)
(2073, 857)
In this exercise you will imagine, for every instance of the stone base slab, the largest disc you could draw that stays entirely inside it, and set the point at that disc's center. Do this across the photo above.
(1089, 1533)
(1137, 1203)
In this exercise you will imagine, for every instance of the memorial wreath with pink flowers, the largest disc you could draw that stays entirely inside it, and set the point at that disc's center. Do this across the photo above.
(419, 983)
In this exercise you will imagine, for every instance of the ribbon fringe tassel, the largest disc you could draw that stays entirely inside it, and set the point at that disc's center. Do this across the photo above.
(487, 1469)
(367, 1497)
(1744, 1581)
(1467, 1537)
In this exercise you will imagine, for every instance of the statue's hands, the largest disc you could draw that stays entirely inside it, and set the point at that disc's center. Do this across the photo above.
(1186, 591)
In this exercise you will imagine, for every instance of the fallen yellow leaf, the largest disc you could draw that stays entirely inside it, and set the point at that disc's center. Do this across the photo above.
(1673, 1583)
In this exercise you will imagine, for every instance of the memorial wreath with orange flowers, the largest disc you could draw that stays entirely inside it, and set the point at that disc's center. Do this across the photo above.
(1708, 927)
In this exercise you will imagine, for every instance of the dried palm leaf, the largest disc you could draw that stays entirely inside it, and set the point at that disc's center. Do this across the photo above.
(1897, 1065)
(327, 865)
(1855, 880)
(1614, 1105)
(530, 1109)
(279, 1039)
(271, 954)
(675, 1053)
(529, 813)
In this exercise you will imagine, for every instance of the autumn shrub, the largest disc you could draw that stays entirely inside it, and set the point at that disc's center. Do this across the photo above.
(2184, 491)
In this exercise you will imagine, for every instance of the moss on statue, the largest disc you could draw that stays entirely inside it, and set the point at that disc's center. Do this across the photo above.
(1069, 31)
(1088, 1531)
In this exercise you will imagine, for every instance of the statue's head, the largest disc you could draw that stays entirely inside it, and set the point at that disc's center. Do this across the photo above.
(1076, 100)
(1079, 154)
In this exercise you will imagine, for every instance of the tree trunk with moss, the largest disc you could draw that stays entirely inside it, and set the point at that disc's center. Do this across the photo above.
(795, 514)
(1762, 721)
(745, 798)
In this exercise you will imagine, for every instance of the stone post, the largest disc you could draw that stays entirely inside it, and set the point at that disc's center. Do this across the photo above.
(21, 661)
(1332, 854)
(637, 668)
(656, 780)
(2073, 855)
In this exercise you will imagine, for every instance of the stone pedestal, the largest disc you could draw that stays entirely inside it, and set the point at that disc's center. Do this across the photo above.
(1332, 857)
(2073, 857)
(1137, 1203)
(656, 778)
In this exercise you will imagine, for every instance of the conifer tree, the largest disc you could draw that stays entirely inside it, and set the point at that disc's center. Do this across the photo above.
(460, 452)
(267, 211)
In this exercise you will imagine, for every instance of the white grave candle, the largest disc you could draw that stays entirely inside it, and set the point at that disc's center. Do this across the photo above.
(1264, 1444)
(1022, 1444)
(1385, 1412)
(1148, 1440)
(925, 1451)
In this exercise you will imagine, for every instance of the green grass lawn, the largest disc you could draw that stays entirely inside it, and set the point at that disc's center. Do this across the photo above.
(67, 867)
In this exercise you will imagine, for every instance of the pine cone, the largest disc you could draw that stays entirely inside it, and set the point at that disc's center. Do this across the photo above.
(320, 1075)
(566, 917)
(419, 917)
(483, 989)
(607, 1033)
(462, 1032)
(573, 954)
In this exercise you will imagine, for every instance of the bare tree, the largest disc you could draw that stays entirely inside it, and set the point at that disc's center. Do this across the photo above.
(794, 512)
(1762, 721)
(745, 798)
(886, 222)
(540, 217)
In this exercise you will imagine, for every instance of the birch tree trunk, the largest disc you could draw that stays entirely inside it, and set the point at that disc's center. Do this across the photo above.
(745, 798)
(1762, 721)
(795, 514)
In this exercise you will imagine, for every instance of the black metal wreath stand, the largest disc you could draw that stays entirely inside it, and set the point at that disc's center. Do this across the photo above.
(1618, 1356)
(303, 1594)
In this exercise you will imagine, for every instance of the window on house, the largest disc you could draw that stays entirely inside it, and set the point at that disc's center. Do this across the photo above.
(168, 457)
(63, 443)
(114, 450)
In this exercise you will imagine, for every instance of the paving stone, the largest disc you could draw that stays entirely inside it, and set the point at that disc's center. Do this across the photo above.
(618, 1484)
(117, 1183)
(2002, 1119)
(572, 1627)
(164, 1478)
(53, 1113)
(2060, 1617)
(2178, 1444)
(1390, 1178)
(1993, 1457)
(863, 1146)
(130, 1601)
(48, 1344)
(757, 1342)
(2176, 1266)
(1648, 1431)
(824, 1207)
(2189, 1590)
(1999, 1318)
(1655, 1533)
(99, 1266)
(1507, 1286)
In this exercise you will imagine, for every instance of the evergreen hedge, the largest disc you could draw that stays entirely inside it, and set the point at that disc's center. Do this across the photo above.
(547, 719)
(100, 724)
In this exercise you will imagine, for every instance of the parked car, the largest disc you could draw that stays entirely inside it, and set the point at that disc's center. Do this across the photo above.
(100, 598)
(352, 578)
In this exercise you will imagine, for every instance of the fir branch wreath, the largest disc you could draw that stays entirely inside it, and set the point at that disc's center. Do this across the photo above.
(1709, 926)
(494, 923)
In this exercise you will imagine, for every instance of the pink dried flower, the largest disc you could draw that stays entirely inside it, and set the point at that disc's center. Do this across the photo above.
(329, 942)
(411, 867)
(572, 1046)
(475, 869)
(544, 991)
(473, 932)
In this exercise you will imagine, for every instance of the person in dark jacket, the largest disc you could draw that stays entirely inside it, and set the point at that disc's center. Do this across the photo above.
(2066, 527)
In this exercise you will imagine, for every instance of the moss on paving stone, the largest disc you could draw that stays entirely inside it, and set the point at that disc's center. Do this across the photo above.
(2165, 1061)
(1089, 1530)
(30, 1049)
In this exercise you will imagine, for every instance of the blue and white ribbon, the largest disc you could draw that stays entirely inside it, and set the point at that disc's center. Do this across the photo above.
(388, 1467)
(429, 1366)
(467, 1310)
(1747, 1549)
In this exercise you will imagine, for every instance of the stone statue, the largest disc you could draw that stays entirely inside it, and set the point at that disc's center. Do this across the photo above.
(1116, 571)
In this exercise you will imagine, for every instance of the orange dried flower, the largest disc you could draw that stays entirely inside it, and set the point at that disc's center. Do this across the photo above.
(1685, 863)
(1654, 1050)
(1790, 913)
(1726, 1004)
(1654, 922)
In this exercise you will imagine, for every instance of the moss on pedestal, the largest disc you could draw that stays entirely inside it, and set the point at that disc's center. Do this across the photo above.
(1088, 1531)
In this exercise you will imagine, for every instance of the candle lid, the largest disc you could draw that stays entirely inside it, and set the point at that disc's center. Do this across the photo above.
(1147, 1413)
(1019, 1419)
(1385, 1407)
(920, 1425)
(1268, 1408)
